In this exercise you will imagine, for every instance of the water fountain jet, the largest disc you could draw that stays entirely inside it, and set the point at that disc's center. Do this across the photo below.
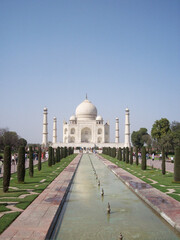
(108, 208)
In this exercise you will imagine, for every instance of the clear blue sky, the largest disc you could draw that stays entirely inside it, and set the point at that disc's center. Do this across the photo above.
(122, 53)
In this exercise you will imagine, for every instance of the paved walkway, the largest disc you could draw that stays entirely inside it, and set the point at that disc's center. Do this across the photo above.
(14, 166)
(167, 207)
(37, 218)
(157, 164)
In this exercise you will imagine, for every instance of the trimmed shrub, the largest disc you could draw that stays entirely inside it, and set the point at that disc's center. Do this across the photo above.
(50, 157)
(131, 156)
(127, 155)
(137, 157)
(7, 168)
(177, 165)
(143, 155)
(39, 159)
(31, 167)
(21, 165)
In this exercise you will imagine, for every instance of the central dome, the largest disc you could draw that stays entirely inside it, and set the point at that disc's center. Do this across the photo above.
(86, 110)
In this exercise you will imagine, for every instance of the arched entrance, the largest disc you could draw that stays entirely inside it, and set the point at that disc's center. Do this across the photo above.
(86, 135)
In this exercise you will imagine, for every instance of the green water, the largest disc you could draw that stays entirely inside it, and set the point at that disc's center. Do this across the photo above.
(84, 215)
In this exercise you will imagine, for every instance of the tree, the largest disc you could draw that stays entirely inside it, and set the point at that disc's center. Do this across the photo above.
(177, 165)
(127, 155)
(120, 154)
(10, 139)
(113, 152)
(160, 128)
(39, 159)
(53, 158)
(140, 137)
(31, 168)
(175, 129)
(124, 154)
(131, 156)
(137, 157)
(58, 154)
(7, 168)
(50, 157)
(22, 142)
(163, 167)
(143, 154)
(21, 165)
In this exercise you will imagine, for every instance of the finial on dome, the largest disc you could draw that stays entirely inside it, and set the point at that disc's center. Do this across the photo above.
(86, 96)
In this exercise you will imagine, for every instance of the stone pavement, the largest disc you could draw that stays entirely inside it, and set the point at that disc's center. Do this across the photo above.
(157, 164)
(14, 166)
(167, 207)
(37, 219)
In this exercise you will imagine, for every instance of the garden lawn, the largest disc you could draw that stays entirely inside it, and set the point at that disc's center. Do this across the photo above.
(164, 183)
(21, 195)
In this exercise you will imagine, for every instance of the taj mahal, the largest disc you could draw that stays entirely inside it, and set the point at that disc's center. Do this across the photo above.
(86, 129)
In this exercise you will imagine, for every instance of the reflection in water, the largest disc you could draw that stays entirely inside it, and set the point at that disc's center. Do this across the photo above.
(85, 210)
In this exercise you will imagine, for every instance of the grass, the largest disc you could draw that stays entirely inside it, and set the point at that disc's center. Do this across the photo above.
(164, 182)
(34, 184)
(3, 207)
(7, 219)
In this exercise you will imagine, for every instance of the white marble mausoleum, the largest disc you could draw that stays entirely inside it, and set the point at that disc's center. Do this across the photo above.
(86, 129)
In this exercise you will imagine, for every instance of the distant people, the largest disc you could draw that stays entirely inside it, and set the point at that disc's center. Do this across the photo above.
(13, 159)
(16, 159)
(153, 157)
(172, 159)
(1, 165)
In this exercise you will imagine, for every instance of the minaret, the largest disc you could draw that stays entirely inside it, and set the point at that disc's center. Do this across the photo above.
(45, 128)
(127, 129)
(117, 131)
(55, 130)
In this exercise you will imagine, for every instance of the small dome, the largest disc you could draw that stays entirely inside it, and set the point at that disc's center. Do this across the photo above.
(99, 118)
(73, 118)
(86, 110)
(45, 109)
(127, 110)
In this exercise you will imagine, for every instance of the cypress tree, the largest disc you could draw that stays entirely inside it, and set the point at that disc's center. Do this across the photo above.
(113, 152)
(127, 155)
(7, 168)
(124, 154)
(58, 154)
(50, 157)
(53, 158)
(39, 159)
(131, 156)
(177, 165)
(120, 154)
(163, 167)
(21, 165)
(65, 152)
(109, 151)
(31, 167)
(143, 155)
(61, 152)
(137, 157)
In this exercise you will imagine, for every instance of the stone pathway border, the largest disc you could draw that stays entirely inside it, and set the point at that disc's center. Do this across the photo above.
(167, 207)
(39, 218)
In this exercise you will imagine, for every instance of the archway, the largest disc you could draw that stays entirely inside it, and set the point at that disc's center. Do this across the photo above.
(86, 135)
